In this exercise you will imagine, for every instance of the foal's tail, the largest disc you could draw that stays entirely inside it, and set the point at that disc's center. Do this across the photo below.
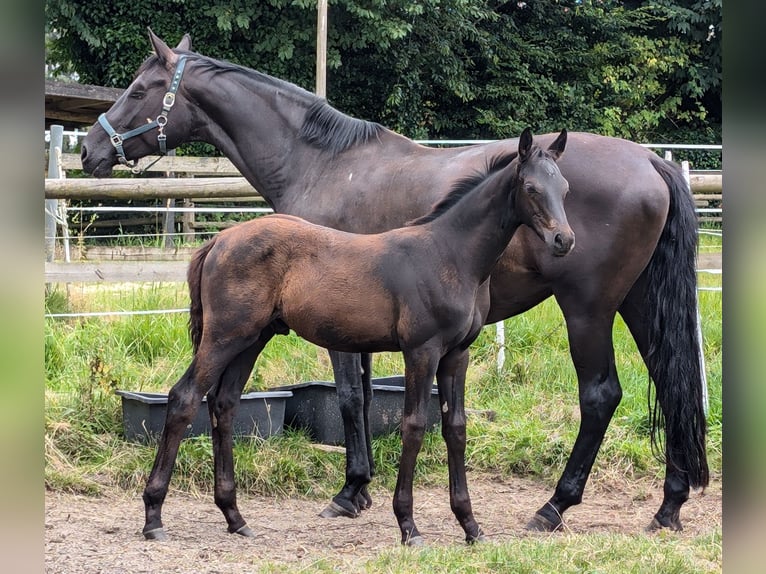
(194, 278)
(674, 357)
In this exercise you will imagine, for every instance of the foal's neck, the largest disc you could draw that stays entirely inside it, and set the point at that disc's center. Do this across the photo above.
(482, 224)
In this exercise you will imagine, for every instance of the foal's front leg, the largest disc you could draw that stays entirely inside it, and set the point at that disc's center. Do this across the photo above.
(451, 380)
(419, 372)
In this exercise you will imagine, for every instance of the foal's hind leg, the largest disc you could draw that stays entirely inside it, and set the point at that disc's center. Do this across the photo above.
(590, 342)
(354, 389)
(184, 400)
(223, 400)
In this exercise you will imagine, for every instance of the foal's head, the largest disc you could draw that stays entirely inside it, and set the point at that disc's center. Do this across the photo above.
(150, 117)
(539, 197)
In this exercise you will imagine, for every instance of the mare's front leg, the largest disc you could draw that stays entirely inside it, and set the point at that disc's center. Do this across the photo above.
(354, 390)
(419, 371)
(451, 380)
(590, 344)
(223, 400)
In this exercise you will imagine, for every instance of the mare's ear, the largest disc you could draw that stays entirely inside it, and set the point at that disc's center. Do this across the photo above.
(185, 43)
(525, 144)
(557, 147)
(167, 57)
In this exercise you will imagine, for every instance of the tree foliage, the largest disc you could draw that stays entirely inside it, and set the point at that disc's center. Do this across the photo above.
(441, 68)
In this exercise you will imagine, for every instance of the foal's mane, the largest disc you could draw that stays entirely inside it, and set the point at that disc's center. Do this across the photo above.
(464, 186)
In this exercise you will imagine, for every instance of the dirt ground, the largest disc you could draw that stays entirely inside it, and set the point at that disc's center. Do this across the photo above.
(103, 535)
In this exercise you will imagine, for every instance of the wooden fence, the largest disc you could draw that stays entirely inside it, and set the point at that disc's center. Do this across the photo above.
(205, 180)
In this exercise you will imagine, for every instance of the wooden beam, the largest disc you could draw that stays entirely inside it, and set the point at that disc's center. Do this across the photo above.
(81, 91)
(111, 271)
(178, 164)
(149, 188)
(706, 182)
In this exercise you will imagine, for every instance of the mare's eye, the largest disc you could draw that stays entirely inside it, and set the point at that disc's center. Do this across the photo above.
(137, 95)
(531, 190)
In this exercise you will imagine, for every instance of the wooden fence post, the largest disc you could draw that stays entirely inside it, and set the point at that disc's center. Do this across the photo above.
(170, 216)
(51, 205)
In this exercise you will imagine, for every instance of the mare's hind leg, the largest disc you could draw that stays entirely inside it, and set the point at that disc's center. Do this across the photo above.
(184, 400)
(223, 400)
(354, 389)
(450, 377)
(590, 343)
(676, 487)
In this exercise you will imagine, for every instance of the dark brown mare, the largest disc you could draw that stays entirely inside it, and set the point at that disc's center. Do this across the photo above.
(422, 290)
(632, 213)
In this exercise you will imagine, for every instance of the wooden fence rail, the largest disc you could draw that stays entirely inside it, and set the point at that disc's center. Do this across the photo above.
(207, 180)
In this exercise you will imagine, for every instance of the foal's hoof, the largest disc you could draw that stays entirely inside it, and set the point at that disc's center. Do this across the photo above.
(156, 534)
(335, 510)
(539, 523)
(245, 531)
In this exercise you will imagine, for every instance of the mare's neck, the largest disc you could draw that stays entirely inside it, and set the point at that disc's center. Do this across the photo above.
(256, 125)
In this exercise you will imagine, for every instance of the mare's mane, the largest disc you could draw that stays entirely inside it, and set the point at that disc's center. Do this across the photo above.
(326, 127)
(323, 126)
(464, 186)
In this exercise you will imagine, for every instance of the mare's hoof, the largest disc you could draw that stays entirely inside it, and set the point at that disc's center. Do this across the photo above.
(156, 534)
(541, 524)
(335, 510)
(415, 541)
(245, 531)
(655, 525)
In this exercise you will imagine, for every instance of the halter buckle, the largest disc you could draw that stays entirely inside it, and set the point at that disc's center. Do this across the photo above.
(116, 139)
(169, 100)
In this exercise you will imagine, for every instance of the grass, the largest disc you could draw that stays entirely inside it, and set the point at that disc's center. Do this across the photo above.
(574, 554)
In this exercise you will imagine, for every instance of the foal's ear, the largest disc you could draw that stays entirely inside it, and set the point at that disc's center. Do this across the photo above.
(525, 144)
(557, 147)
(185, 43)
(167, 57)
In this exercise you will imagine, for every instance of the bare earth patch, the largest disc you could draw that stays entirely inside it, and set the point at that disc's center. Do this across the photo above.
(103, 534)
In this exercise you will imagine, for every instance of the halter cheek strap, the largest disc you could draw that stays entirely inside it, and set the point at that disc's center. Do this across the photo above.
(159, 122)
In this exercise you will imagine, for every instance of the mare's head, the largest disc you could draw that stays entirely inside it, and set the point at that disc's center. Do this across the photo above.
(540, 192)
(150, 117)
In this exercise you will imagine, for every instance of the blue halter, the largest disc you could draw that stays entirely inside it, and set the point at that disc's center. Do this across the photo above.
(160, 122)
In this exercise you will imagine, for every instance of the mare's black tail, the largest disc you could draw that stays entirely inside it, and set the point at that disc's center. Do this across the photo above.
(675, 354)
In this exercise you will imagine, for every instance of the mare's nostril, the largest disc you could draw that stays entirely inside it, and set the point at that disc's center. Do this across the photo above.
(83, 152)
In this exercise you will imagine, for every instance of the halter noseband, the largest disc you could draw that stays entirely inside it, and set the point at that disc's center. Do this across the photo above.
(160, 122)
